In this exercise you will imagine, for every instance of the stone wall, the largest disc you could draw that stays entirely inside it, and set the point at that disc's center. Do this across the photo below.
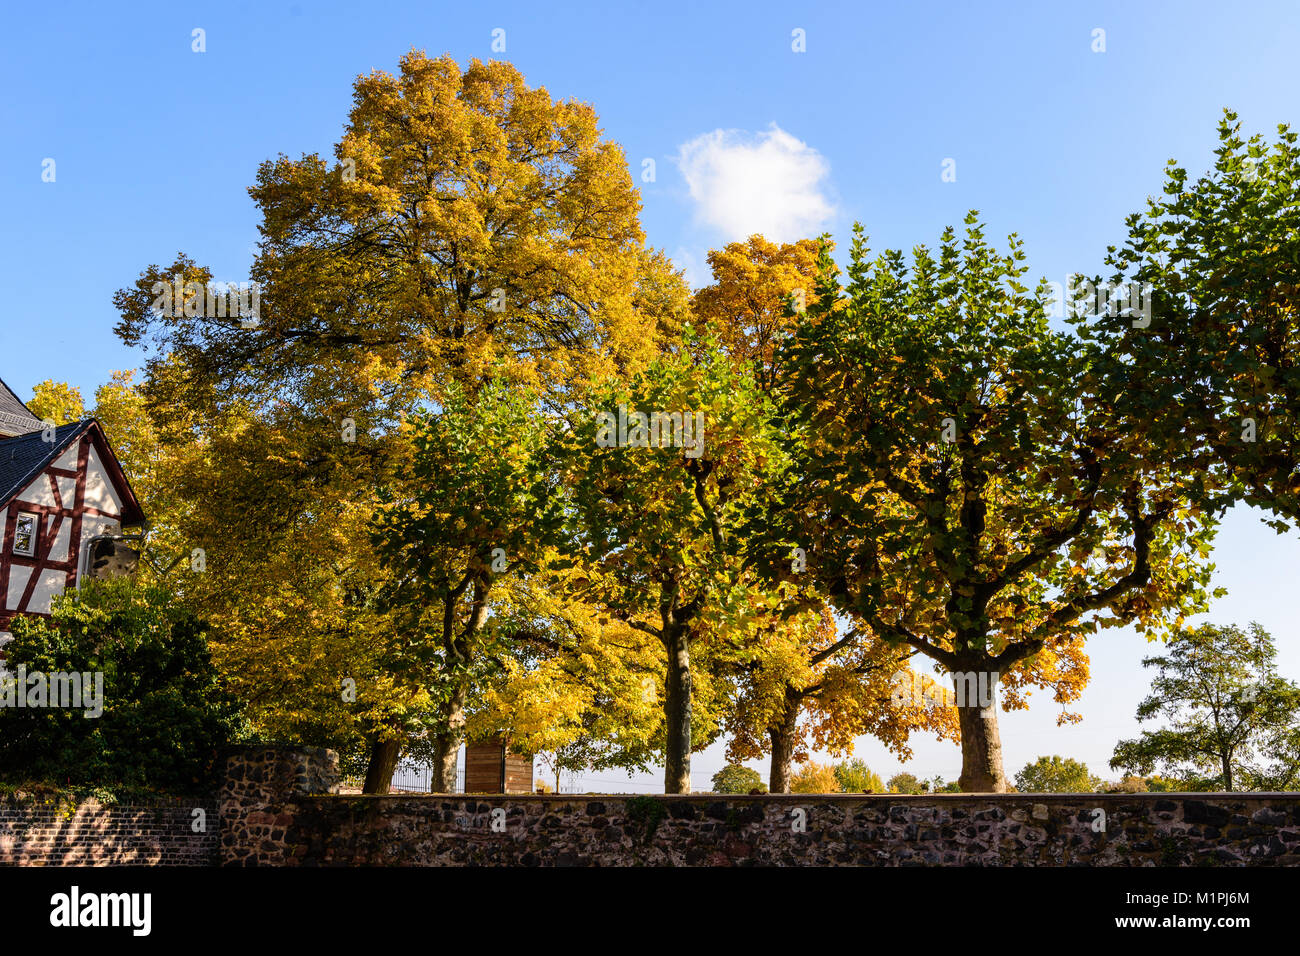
(280, 808)
(43, 829)
(261, 785)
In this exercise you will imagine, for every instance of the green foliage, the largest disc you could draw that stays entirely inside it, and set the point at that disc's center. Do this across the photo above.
(165, 714)
(736, 778)
(1056, 775)
(1212, 380)
(476, 505)
(959, 483)
(854, 776)
(1232, 722)
(657, 526)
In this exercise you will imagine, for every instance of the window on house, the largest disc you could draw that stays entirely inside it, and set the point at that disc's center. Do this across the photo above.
(25, 530)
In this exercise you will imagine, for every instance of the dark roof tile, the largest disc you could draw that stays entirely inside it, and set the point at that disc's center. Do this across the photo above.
(15, 417)
(23, 457)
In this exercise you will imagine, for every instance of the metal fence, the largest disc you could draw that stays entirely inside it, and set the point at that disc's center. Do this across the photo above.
(417, 778)
(409, 778)
(413, 778)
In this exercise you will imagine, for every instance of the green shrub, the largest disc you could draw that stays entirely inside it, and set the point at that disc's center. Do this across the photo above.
(165, 716)
(1056, 775)
(855, 776)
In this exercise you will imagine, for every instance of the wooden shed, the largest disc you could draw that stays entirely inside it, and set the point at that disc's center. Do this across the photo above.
(490, 767)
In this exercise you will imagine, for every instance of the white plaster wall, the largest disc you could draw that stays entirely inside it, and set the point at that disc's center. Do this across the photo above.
(68, 460)
(17, 585)
(62, 538)
(67, 490)
(99, 489)
(50, 584)
(38, 492)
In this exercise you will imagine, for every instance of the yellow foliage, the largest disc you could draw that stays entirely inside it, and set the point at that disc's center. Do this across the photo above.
(814, 777)
(57, 402)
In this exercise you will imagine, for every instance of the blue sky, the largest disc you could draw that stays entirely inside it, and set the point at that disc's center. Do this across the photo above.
(154, 147)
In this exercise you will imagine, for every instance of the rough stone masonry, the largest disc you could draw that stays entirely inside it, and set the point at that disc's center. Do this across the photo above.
(280, 807)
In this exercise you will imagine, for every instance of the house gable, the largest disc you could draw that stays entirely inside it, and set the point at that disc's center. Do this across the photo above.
(58, 490)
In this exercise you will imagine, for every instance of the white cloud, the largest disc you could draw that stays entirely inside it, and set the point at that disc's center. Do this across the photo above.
(768, 182)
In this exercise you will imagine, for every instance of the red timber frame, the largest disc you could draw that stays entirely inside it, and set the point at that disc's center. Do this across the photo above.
(51, 519)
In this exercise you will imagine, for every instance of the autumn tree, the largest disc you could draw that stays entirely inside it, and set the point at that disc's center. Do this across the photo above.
(755, 284)
(468, 226)
(272, 563)
(57, 402)
(661, 469)
(1208, 367)
(478, 501)
(468, 223)
(963, 488)
(573, 682)
(1226, 710)
(855, 776)
(805, 685)
(813, 777)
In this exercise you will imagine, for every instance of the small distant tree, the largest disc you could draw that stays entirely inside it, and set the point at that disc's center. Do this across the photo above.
(736, 778)
(1056, 775)
(907, 783)
(1130, 784)
(855, 776)
(815, 777)
(1227, 713)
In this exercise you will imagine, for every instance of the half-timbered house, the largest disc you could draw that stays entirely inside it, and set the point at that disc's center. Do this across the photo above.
(61, 491)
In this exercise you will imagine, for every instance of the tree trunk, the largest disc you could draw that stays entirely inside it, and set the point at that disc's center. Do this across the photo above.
(446, 744)
(451, 734)
(1226, 761)
(383, 761)
(677, 711)
(781, 735)
(981, 744)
